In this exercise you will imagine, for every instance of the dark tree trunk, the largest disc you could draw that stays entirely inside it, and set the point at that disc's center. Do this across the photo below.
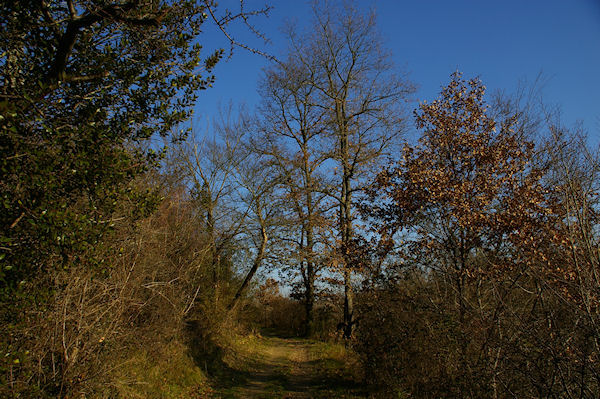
(255, 265)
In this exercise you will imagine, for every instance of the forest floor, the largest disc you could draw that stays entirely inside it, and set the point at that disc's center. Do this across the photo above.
(261, 366)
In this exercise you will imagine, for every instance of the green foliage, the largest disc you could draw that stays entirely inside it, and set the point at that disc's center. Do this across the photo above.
(85, 84)
(81, 87)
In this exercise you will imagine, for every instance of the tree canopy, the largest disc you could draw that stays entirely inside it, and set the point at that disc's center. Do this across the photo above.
(84, 83)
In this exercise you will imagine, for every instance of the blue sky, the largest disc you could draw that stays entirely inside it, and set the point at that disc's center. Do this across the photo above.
(502, 42)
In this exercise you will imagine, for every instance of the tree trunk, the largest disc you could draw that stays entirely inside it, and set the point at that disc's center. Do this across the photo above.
(255, 265)
(348, 304)
(310, 266)
(346, 224)
(309, 300)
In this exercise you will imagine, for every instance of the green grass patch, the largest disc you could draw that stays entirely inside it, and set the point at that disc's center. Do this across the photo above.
(171, 373)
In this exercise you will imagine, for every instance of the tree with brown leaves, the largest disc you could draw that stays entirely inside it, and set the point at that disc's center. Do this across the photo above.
(475, 214)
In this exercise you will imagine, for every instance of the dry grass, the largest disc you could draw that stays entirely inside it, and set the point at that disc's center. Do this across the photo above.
(171, 373)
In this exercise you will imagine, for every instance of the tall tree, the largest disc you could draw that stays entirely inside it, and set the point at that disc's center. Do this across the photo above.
(292, 130)
(476, 213)
(469, 185)
(209, 165)
(355, 84)
(264, 208)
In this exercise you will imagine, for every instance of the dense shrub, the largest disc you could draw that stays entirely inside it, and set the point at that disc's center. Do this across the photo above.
(517, 342)
(154, 280)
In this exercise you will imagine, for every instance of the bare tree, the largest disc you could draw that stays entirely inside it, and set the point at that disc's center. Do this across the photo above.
(210, 164)
(354, 84)
(292, 130)
(263, 207)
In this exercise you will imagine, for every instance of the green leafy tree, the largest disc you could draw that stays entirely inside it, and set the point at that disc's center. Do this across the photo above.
(83, 82)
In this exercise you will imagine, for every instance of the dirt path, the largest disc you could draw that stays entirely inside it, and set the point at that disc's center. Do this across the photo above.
(271, 367)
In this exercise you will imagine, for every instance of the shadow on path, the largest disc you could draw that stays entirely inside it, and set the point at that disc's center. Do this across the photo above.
(275, 367)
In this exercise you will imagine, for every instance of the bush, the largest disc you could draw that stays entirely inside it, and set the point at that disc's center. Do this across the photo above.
(509, 341)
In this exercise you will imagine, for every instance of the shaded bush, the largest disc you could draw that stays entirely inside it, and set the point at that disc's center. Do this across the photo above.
(154, 278)
(510, 342)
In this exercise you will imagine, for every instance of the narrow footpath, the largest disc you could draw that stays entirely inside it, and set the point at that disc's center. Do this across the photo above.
(273, 367)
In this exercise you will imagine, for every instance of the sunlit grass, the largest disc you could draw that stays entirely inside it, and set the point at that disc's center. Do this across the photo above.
(172, 374)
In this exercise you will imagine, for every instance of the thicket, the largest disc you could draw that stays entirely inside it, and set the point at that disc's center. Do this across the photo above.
(492, 290)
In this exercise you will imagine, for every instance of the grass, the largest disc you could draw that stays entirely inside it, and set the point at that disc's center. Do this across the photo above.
(258, 366)
(252, 366)
(171, 373)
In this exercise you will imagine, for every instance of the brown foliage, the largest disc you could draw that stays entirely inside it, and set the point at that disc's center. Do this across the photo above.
(153, 280)
(502, 251)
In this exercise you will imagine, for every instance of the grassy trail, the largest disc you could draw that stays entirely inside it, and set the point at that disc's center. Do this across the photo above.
(272, 367)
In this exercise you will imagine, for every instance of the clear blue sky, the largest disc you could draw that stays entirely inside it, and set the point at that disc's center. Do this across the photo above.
(502, 42)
